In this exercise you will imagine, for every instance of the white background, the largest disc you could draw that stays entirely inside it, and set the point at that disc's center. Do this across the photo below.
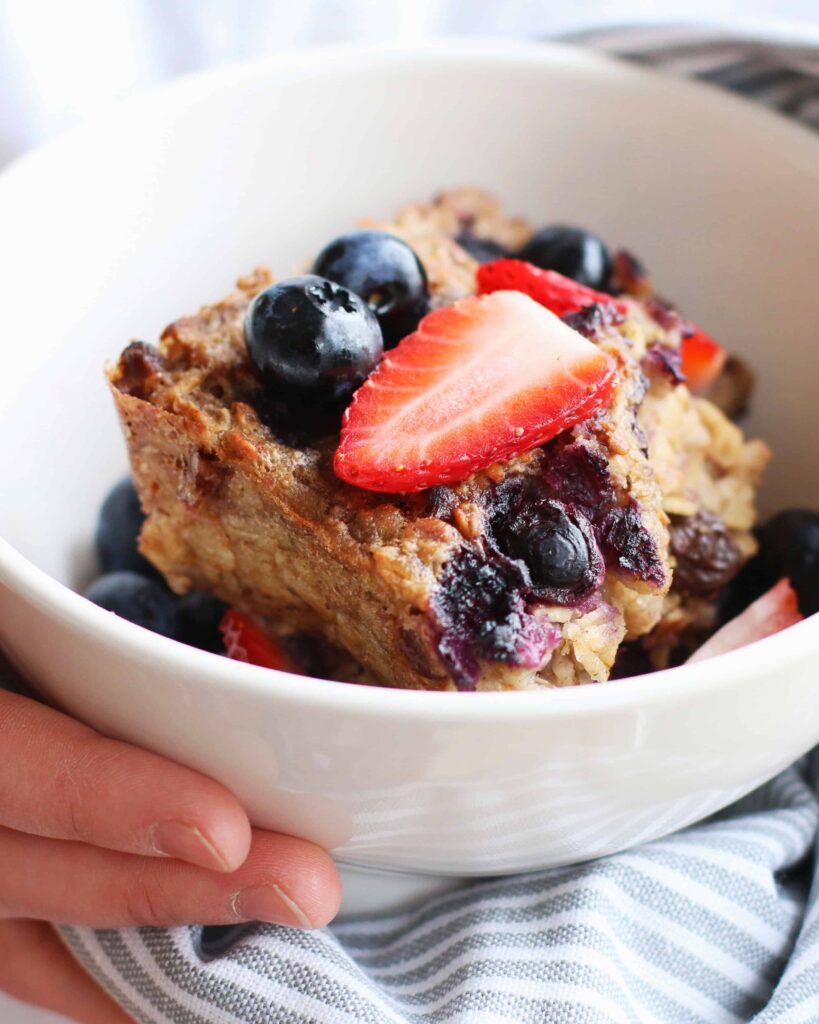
(60, 61)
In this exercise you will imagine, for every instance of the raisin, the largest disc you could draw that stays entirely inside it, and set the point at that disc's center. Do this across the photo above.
(706, 553)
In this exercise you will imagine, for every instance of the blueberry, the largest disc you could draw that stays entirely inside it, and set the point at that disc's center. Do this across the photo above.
(572, 252)
(556, 552)
(120, 520)
(144, 601)
(385, 272)
(214, 940)
(198, 618)
(789, 546)
(484, 250)
(310, 335)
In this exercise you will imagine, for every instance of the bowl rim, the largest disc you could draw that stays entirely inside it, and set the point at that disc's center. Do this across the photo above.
(727, 671)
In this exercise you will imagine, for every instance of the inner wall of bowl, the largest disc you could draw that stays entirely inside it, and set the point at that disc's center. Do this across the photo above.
(114, 233)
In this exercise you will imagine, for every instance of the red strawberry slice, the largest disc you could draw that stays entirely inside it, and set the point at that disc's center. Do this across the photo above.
(245, 641)
(775, 610)
(702, 359)
(488, 378)
(560, 294)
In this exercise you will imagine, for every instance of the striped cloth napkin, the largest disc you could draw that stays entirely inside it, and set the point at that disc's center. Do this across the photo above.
(719, 923)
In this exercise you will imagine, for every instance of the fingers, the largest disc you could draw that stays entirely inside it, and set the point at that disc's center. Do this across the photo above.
(284, 881)
(59, 778)
(36, 968)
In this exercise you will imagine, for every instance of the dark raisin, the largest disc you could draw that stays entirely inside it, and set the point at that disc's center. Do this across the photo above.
(139, 365)
(707, 555)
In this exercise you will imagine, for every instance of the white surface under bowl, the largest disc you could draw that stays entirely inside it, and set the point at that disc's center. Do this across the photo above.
(126, 223)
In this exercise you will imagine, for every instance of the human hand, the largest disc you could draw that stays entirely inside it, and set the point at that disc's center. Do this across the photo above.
(100, 833)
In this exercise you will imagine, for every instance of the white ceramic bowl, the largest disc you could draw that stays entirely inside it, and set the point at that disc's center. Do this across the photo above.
(124, 224)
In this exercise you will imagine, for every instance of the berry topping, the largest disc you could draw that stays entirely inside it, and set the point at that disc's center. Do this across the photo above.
(385, 272)
(484, 250)
(479, 612)
(556, 292)
(572, 252)
(555, 541)
(702, 359)
(481, 381)
(120, 520)
(245, 641)
(313, 336)
(775, 610)
(143, 601)
(198, 618)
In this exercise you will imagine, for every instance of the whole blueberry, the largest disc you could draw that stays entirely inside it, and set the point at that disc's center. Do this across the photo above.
(556, 552)
(118, 525)
(314, 336)
(484, 250)
(572, 252)
(789, 546)
(144, 601)
(198, 618)
(385, 272)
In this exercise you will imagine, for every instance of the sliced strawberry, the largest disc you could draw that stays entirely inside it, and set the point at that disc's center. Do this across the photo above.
(245, 641)
(560, 294)
(775, 610)
(488, 378)
(702, 359)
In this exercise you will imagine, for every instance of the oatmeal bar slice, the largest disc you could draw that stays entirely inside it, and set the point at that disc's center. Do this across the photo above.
(428, 590)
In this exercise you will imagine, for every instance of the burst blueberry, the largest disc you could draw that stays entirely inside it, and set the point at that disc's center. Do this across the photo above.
(385, 272)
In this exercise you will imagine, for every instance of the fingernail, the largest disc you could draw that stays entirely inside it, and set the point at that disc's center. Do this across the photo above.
(269, 903)
(184, 841)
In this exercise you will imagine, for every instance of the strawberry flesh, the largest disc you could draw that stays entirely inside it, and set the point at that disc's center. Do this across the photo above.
(702, 359)
(245, 641)
(481, 381)
(557, 293)
(775, 610)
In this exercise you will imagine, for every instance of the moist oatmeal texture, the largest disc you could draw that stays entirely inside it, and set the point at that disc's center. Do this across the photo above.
(427, 590)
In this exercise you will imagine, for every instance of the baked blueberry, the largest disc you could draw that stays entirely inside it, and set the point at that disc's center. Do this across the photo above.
(314, 336)
(385, 272)
(484, 250)
(556, 551)
(572, 252)
(198, 618)
(120, 520)
(144, 601)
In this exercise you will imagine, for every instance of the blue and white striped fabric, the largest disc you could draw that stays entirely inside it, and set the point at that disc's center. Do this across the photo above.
(719, 923)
